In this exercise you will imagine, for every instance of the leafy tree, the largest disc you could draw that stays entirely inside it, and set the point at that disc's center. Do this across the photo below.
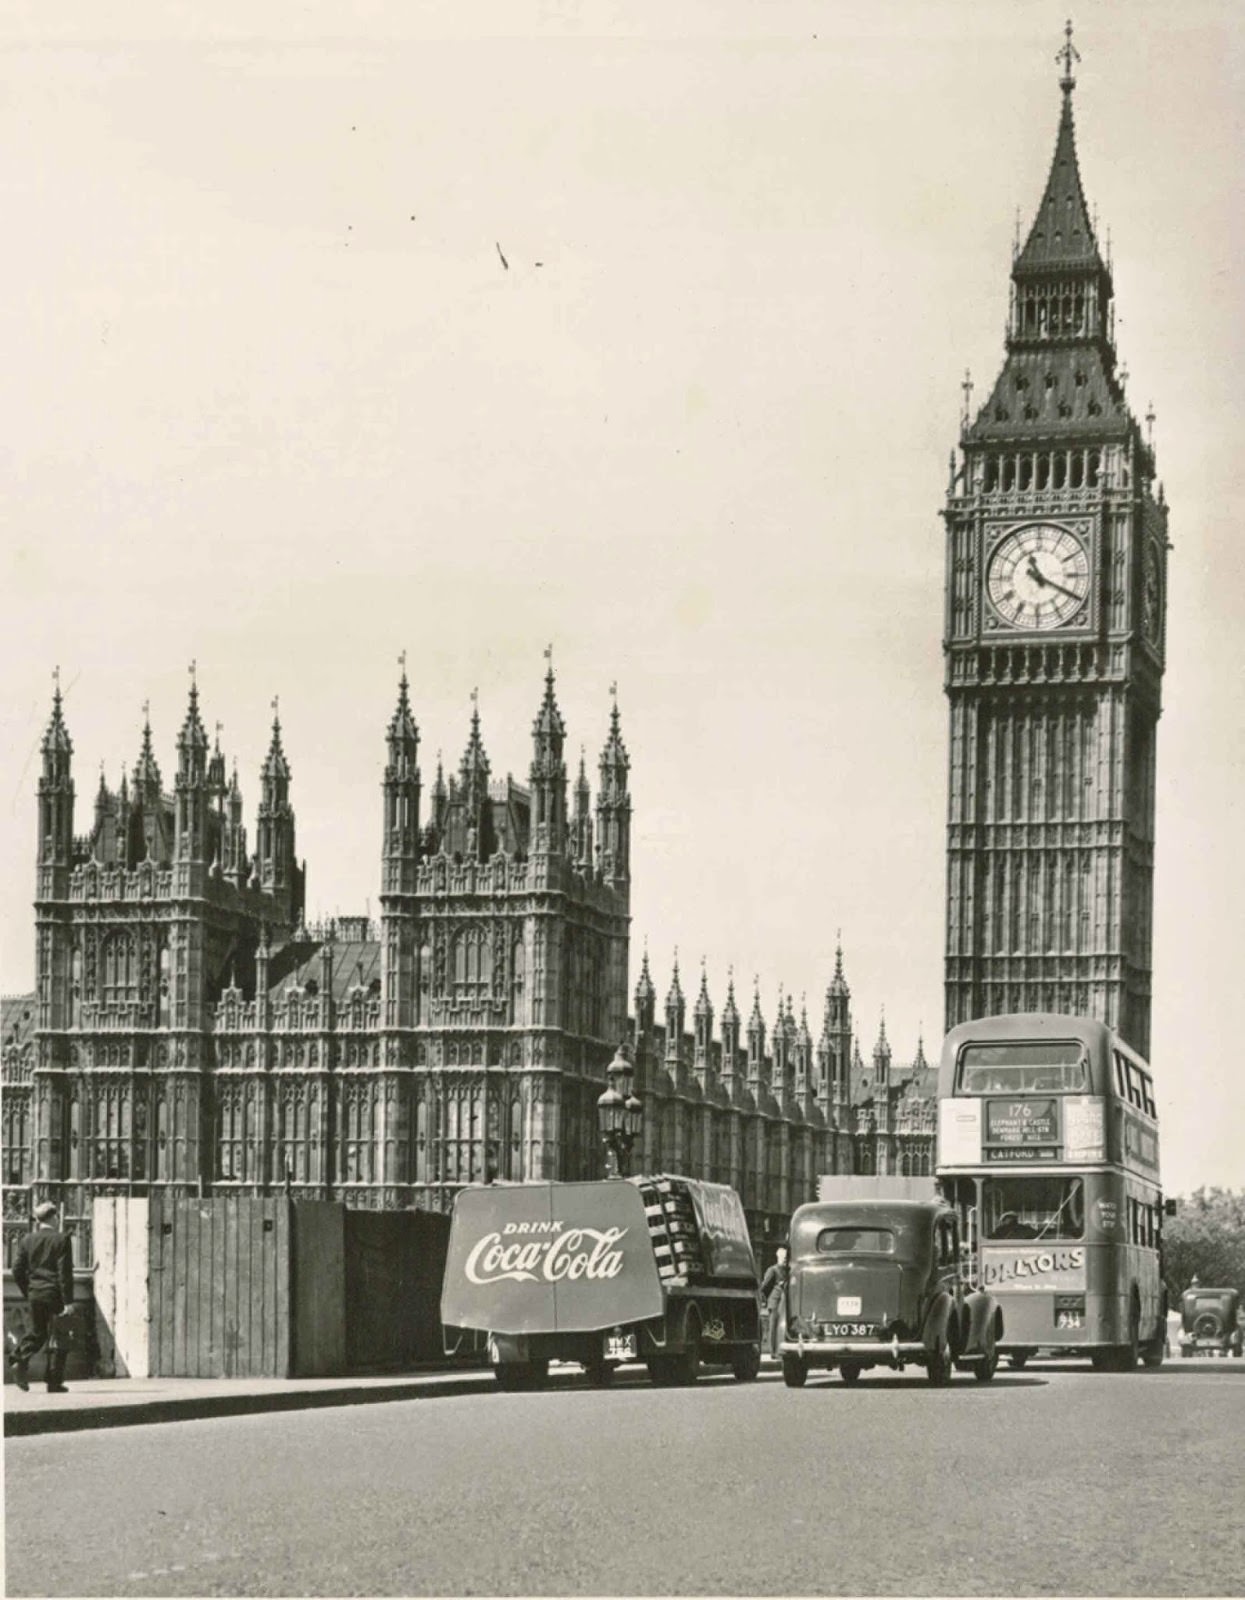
(1206, 1239)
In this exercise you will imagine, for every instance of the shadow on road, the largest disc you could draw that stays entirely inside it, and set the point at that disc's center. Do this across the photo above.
(906, 1383)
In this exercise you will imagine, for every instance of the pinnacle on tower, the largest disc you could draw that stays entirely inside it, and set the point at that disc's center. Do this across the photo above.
(1062, 232)
(56, 799)
(146, 771)
(730, 1012)
(401, 786)
(275, 771)
(838, 984)
(548, 729)
(644, 989)
(614, 805)
(57, 744)
(474, 767)
(615, 763)
(403, 735)
(192, 741)
(704, 1006)
(548, 772)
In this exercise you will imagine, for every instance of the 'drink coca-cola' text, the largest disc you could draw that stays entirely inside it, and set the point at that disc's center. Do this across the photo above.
(590, 1253)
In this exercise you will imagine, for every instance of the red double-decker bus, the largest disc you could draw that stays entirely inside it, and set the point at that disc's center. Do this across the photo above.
(1048, 1145)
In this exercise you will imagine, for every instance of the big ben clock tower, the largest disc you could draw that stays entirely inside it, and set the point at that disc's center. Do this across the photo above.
(1054, 642)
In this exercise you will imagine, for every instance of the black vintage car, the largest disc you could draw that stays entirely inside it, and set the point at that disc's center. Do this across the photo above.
(883, 1283)
(1210, 1321)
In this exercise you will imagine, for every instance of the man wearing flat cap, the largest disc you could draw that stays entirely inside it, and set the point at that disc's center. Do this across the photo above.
(43, 1271)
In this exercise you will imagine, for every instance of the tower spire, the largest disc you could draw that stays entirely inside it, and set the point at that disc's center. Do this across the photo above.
(1067, 55)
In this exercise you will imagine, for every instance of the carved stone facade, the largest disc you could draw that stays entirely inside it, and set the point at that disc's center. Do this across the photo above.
(190, 1032)
(766, 1109)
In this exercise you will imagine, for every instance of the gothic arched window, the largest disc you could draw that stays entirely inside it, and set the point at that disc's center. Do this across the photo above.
(120, 972)
(473, 964)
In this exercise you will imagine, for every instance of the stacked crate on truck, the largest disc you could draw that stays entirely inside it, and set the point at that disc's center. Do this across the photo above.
(672, 1228)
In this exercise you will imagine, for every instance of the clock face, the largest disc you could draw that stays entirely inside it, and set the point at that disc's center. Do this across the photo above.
(1151, 592)
(1038, 576)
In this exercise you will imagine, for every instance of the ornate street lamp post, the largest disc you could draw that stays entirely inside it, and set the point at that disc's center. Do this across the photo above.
(619, 1114)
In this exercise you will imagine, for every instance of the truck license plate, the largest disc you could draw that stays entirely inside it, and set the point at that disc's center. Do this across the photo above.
(853, 1330)
(848, 1305)
(620, 1347)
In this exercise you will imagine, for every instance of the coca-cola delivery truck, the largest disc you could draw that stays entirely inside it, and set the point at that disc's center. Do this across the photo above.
(657, 1269)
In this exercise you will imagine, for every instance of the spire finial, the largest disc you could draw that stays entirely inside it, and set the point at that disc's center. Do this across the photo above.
(1150, 426)
(146, 711)
(402, 664)
(194, 668)
(1068, 55)
(967, 387)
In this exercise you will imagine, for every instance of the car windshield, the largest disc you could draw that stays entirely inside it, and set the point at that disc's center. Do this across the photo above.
(852, 1241)
(1033, 1208)
(1051, 1067)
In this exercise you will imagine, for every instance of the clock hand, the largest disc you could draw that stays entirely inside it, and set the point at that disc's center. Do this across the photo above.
(1038, 576)
(1036, 573)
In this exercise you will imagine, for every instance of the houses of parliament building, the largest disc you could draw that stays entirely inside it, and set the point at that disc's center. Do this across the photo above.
(189, 1031)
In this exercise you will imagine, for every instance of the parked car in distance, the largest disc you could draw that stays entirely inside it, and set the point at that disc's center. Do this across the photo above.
(883, 1283)
(1210, 1321)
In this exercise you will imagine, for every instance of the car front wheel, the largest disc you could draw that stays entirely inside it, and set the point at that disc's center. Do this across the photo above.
(794, 1371)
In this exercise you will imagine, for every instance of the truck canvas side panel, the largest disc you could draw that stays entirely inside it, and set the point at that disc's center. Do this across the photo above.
(549, 1258)
(723, 1230)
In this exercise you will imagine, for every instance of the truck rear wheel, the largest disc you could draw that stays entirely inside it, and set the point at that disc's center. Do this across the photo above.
(747, 1367)
(687, 1362)
(512, 1375)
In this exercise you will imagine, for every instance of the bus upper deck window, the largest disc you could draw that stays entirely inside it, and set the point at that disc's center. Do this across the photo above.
(1019, 1067)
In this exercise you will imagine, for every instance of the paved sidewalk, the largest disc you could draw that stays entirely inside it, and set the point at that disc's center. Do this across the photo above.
(126, 1402)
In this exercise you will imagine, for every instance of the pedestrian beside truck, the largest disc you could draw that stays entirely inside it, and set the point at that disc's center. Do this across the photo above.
(774, 1295)
(43, 1271)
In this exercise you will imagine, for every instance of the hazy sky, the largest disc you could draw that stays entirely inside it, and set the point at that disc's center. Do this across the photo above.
(271, 400)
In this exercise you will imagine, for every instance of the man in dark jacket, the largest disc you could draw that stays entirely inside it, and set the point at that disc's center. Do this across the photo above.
(774, 1294)
(43, 1271)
